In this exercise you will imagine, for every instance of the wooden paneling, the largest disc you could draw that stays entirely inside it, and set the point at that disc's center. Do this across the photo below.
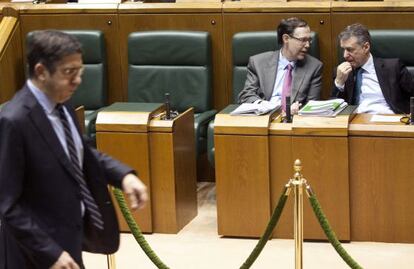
(281, 170)
(319, 22)
(11, 59)
(381, 189)
(132, 149)
(209, 22)
(173, 175)
(107, 23)
(242, 184)
(325, 167)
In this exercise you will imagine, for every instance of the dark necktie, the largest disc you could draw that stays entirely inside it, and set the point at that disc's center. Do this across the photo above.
(87, 198)
(358, 84)
(287, 85)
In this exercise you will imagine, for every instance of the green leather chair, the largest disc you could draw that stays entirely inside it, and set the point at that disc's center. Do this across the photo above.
(244, 45)
(92, 92)
(391, 44)
(175, 62)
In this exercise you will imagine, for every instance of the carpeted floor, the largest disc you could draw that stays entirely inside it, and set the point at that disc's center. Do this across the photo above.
(198, 246)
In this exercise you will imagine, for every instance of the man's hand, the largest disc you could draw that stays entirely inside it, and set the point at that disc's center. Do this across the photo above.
(135, 190)
(294, 108)
(65, 261)
(342, 73)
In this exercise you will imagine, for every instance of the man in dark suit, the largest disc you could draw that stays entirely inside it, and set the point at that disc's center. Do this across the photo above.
(378, 86)
(54, 200)
(290, 71)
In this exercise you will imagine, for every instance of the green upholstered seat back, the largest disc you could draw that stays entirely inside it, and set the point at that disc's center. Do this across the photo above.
(92, 93)
(246, 44)
(391, 44)
(394, 44)
(177, 62)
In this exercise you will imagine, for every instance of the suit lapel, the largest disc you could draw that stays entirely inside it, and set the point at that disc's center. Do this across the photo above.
(381, 74)
(44, 127)
(271, 69)
(297, 77)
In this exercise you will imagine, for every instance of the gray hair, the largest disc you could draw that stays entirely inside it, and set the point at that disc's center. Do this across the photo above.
(357, 30)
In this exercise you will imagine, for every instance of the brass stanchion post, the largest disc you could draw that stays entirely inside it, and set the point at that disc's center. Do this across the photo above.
(298, 182)
(111, 261)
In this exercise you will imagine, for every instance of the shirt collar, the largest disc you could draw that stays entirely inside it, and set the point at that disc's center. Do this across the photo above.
(283, 62)
(47, 104)
(369, 65)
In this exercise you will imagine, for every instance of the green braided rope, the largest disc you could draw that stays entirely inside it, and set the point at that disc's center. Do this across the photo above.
(136, 231)
(331, 234)
(268, 232)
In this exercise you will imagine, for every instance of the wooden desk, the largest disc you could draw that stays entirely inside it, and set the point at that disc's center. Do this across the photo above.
(254, 161)
(242, 173)
(163, 154)
(381, 181)
(321, 144)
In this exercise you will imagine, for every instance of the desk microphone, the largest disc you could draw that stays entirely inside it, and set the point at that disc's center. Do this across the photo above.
(167, 106)
(288, 114)
(411, 110)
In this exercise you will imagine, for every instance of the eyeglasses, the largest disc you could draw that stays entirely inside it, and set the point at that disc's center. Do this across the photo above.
(302, 39)
(72, 71)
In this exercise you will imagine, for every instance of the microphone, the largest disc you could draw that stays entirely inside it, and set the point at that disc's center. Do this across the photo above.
(288, 114)
(411, 110)
(167, 106)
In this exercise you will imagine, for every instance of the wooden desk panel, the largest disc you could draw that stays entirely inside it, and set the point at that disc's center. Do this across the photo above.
(132, 149)
(281, 170)
(242, 184)
(381, 188)
(173, 174)
(325, 167)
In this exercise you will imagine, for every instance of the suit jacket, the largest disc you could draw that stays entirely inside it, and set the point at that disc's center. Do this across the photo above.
(396, 83)
(39, 197)
(261, 77)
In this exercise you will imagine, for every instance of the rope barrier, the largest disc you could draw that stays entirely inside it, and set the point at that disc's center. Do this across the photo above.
(263, 240)
(331, 234)
(136, 231)
(268, 232)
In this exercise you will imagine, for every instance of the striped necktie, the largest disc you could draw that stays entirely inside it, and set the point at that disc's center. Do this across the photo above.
(87, 198)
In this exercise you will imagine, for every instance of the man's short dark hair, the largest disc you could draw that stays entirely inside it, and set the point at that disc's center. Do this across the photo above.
(48, 47)
(357, 30)
(288, 26)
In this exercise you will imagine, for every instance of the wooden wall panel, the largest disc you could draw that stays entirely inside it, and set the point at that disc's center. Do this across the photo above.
(107, 23)
(210, 22)
(257, 21)
(11, 62)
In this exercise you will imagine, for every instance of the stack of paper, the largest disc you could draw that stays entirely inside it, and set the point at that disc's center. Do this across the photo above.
(256, 109)
(328, 108)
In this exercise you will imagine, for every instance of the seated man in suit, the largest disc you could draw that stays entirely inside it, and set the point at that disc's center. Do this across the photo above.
(378, 86)
(54, 200)
(290, 71)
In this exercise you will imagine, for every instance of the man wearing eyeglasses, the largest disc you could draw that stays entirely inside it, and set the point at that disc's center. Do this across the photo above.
(54, 201)
(376, 85)
(290, 71)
